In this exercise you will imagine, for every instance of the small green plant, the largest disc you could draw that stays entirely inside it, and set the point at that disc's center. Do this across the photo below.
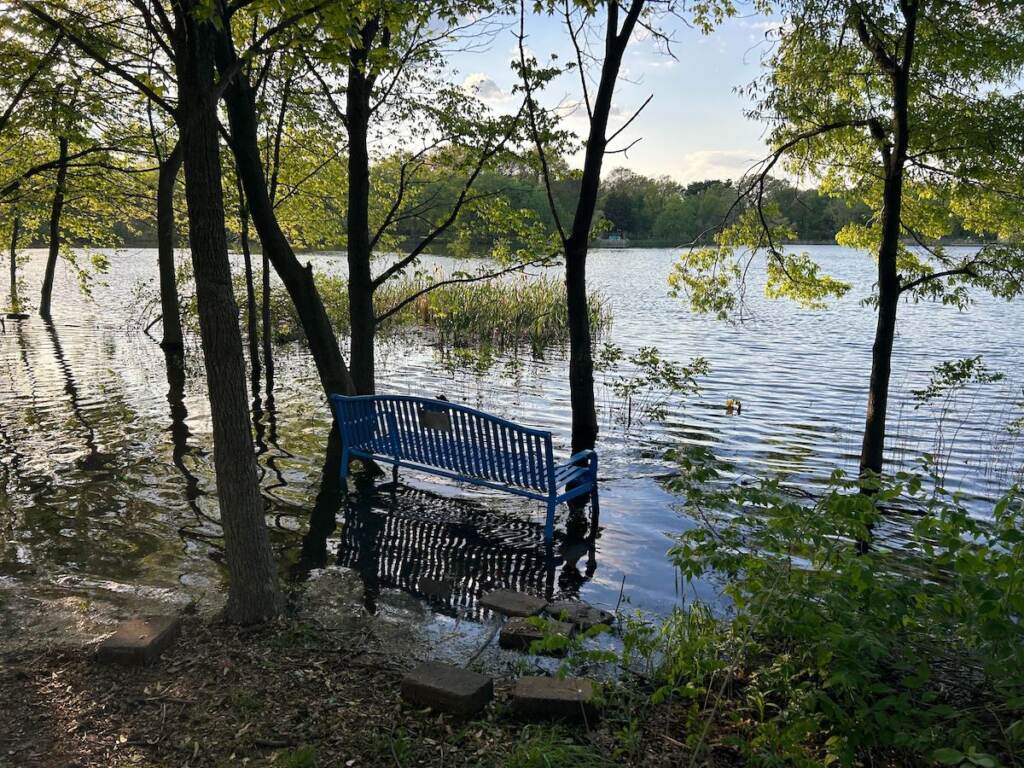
(300, 757)
(649, 384)
(573, 647)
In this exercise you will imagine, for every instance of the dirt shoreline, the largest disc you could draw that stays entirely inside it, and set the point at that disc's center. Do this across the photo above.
(317, 688)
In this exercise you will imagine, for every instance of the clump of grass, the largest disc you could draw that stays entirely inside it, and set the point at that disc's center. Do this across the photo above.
(551, 747)
(302, 757)
(503, 313)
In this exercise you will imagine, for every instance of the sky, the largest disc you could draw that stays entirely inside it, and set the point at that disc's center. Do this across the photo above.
(693, 129)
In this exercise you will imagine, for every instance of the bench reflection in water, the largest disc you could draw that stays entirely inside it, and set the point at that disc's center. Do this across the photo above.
(445, 550)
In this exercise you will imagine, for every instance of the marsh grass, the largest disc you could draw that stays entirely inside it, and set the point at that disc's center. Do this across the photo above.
(502, 314)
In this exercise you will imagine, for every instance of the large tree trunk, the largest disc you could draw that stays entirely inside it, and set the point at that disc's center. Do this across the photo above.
(165, 240)
(297, 279)
(55, 212)
(15, 234)
(253, 593)
(360, 279)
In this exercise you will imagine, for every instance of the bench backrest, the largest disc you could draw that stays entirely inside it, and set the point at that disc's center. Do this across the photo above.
(456, 438)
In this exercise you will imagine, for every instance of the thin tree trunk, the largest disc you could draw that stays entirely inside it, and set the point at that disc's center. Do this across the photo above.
(893, 154)
(360, 279)
(252, 324)
(253, 594)
(268, 335)
(581, 360)
(173, 339)
(15, 234)
(297, 279)
(55, 213)
(872, 455)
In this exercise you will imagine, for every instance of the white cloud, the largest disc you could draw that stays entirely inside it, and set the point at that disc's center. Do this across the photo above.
(485, 88)
(716, 163)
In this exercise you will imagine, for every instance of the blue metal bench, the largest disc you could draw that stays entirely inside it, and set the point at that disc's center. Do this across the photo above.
(464, 444)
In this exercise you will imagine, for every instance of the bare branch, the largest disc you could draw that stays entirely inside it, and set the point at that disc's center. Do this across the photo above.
(631, 119)
(541, 154)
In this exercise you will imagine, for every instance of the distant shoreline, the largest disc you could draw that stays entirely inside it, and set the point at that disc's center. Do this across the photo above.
(594, 244)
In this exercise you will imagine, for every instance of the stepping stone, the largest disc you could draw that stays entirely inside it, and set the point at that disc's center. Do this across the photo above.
(568, 698)
(583, 615)
(510, 603)
(520, 634)
(139, 641)
(447, 689)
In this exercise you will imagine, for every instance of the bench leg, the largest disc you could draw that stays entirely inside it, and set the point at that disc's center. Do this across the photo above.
(549, 525)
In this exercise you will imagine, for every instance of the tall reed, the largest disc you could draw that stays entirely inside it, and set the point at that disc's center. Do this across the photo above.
(503, 313)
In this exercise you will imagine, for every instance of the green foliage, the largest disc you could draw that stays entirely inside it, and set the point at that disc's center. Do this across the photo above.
(828, 94)
(834, 655)
(649, 384)
(952, 376)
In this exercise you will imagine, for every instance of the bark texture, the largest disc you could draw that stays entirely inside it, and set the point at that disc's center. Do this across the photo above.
(581, 360)
(893, 148)
(298, 279)
(253, 593)
(167, 175)
(56, 209)
(13, 265)
(360, 279)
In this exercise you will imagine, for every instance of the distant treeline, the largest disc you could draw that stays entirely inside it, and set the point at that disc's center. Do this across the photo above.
(661, 210)
(638, 209)
(653, 211)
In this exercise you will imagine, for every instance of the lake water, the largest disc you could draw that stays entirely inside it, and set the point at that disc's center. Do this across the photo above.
(106, 479)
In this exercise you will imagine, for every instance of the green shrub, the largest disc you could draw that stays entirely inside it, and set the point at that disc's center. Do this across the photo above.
(830, 654)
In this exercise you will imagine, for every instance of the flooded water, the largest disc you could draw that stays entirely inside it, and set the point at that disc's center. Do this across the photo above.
(106, 482)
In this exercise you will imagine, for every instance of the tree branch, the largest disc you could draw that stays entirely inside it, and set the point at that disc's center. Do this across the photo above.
(93, 53)
(541, 154)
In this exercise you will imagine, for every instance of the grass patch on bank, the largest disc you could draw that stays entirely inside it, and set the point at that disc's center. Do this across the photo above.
(503, 313)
